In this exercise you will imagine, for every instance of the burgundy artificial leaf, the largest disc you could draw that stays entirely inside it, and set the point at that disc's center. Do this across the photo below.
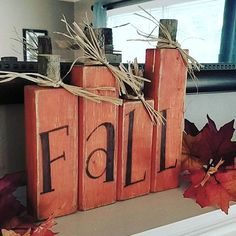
(189, 161)
(21, 224)
(16, 224)
(44, 229)
(13, 233)
(9, 205)
(26, 226)
(210, 143)
(10, 182)
(190, 128)
(208, 157)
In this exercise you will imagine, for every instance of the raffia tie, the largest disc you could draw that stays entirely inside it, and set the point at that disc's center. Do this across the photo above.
(189, 61)
(93, 53)
(167, 42)
(211, 171)
(41, 80)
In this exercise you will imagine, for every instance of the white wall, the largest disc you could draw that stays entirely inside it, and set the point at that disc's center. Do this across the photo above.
(32, 14)
(83, 8)
(82, 11)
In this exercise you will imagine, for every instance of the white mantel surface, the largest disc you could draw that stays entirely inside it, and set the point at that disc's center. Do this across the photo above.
(133, 216)
(209, 224)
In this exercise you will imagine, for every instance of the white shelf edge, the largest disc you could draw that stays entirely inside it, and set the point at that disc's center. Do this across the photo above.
(215, 223)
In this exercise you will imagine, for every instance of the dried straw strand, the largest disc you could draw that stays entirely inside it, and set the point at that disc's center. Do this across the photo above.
(155, 116)
(30, 47)
(167, 42)
(42, 80)
(92, 51)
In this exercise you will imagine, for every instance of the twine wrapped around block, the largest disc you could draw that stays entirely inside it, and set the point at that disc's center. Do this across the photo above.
(41, 80)
(155, 116)
(93, 55)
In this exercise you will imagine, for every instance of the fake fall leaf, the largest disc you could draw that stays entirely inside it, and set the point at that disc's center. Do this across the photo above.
(218, 191)
(9, 205)
(208, 157)
(13, 217)
(210, 143)
(43, 229)
(12, 233)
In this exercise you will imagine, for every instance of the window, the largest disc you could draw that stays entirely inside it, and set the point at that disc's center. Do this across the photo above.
(199, 27)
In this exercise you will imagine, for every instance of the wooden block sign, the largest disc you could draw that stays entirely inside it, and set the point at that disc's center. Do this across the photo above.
(51, 124)
(97, 139)
(135, 146)
(167, 72)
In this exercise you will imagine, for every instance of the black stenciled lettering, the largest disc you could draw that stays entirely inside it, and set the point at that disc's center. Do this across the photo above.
(46, 159)
(163, 145)
(88, 161)
(109, 152)
(128, 179)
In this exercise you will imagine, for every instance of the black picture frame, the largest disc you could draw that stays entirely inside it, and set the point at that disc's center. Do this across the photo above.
(30, 43)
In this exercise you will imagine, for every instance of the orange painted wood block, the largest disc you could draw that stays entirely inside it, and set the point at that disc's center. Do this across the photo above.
(97, 139)
(135, 146)
(51, 124)
(167, 72)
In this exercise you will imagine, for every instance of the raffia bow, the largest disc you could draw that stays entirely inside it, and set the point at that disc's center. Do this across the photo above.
(93, 54)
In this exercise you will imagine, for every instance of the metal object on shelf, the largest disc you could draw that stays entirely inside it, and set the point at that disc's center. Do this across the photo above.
(105, 40)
